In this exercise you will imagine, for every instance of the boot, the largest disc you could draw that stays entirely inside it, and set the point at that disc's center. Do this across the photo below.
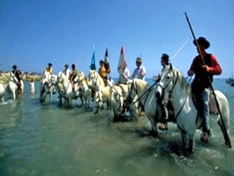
(205, 136)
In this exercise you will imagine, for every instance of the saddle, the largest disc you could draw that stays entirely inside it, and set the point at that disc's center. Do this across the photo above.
(212, 104)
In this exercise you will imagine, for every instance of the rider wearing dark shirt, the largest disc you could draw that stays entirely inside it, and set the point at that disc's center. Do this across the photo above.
(204, 67)
(18, 75)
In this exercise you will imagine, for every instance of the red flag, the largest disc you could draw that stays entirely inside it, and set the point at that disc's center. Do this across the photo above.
(122, 60)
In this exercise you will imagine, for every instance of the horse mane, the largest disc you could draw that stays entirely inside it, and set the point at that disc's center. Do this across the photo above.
(143, 84)
(84, 78)
(99, 78)
(183, 82)
(63, 76)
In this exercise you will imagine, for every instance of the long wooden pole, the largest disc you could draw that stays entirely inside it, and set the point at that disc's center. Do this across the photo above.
(212, 89)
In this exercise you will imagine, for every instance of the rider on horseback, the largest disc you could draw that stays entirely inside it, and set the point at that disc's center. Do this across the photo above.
(66, 70)
(73, 76)
(49, 70)
(104, 70)
(18, 76)
(165, 102)
(139, 73)
(204, 67)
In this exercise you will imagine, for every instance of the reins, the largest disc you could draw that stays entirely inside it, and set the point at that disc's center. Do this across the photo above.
(144, 94)
(174, 84)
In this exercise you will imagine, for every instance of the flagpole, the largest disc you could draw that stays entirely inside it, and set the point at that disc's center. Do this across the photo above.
(182, 46)
(78, 60)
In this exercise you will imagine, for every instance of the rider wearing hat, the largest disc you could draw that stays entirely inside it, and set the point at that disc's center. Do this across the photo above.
(204, 66)
(18, 75)
(73, 73)
(124, 73)
(104, 70)
(165, 102)
(49, 68)
(66, 70)
(139, 73)
(140, 70)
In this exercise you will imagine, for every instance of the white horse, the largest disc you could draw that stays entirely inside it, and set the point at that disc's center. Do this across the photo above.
(186, 115)
(121, 105)
(47, 87)
(85, 91)
(111, 94)
(142, 92)
(66, 90)
(12, 86)
(95, 80)
(2, 92)
(96, 83)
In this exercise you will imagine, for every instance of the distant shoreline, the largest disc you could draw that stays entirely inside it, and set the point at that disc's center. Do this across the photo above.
(26, 77)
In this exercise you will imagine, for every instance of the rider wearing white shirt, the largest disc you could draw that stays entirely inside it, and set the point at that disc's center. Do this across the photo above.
(140, 71)
(124, 74)
(67, 71)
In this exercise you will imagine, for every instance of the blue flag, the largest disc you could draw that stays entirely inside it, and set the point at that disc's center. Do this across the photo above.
(106, 60)
(93, 65)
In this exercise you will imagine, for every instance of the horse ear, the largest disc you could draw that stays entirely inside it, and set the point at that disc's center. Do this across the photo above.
(171, 67)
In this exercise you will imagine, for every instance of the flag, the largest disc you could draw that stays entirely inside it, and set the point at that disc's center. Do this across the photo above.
(93, 65)
(122, 60)
(106, 60)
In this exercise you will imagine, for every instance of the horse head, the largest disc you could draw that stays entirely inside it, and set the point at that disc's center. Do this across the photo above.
(80, 77)
(12, 77)
(95, 79)
(53, 79)
(61, 77)
(136, 88)
(167, 81)
(92, 78)
(117, 100)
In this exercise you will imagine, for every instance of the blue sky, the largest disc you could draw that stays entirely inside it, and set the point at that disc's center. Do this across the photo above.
(35, 32)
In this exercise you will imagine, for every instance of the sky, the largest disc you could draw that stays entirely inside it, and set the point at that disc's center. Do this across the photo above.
(36, 32)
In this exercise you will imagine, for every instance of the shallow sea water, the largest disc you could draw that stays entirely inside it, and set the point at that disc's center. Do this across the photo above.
(51, 140)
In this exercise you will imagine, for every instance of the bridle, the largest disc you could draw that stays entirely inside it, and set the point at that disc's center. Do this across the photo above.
(118, 97)
(174, 79)
(129, 97)
(94, 79)
(174, 82)
(146, 93)
(61, 81)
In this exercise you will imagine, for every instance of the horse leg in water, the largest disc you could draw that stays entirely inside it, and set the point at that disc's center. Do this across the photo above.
(2, 99)
(188, 141)
(13, 95)
(60, 100)
(154, 130)
(69, 102)
(19, 88)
